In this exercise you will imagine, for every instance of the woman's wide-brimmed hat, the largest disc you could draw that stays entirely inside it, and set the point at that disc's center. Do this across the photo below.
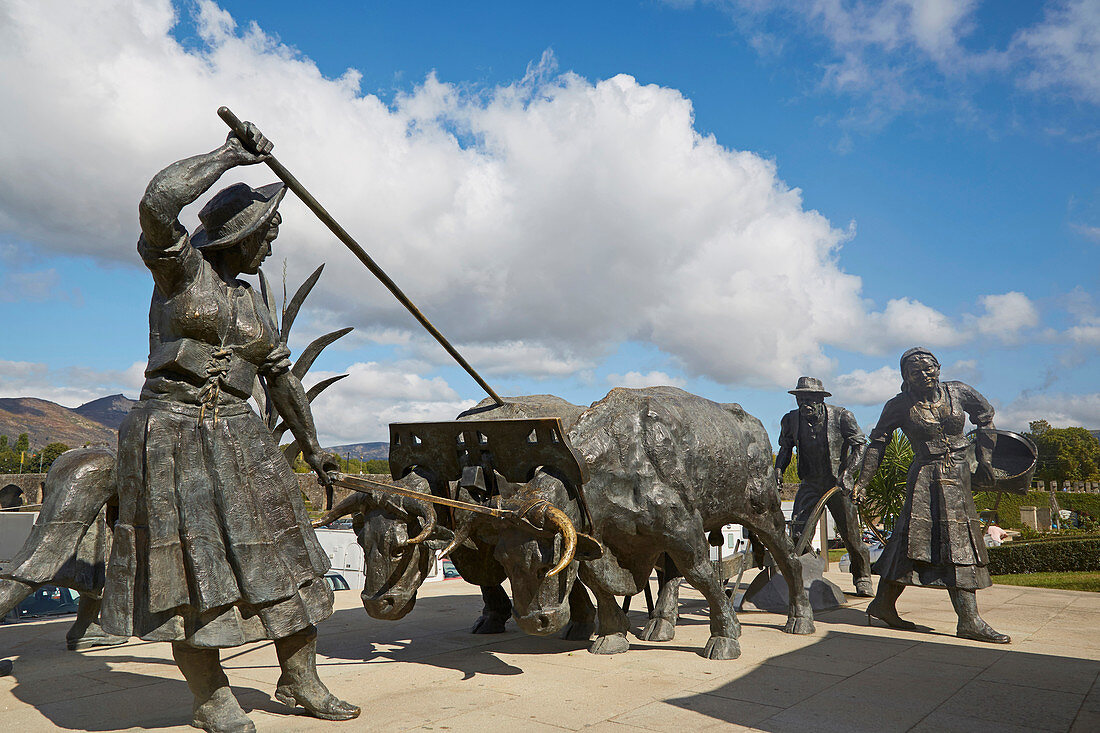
(809, 385)
(236, 212)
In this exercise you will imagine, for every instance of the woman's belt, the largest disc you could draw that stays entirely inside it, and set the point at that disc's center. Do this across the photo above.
(204, 364)
(231, 409)
(951, 455)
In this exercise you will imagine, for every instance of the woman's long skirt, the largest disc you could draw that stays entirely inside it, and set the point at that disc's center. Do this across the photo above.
(213, 545)
(937, 540)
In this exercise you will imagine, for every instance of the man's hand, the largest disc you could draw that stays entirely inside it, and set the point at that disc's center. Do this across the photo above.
(858, 493)
(254, 141)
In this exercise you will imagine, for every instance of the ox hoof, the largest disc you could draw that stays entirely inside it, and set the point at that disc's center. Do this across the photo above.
(722, 647)
(658, 629)
(488, 625)
(799, 625)
(614, 644)
(578, 632)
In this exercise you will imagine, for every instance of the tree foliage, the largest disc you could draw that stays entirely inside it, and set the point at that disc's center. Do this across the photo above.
(886, 492)
(790, 473)
(348, 465)
(20, 459)
(1065, 454)
(50, 454)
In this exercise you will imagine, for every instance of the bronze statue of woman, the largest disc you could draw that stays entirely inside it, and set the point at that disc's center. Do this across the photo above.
(213, 547)
(937, 540)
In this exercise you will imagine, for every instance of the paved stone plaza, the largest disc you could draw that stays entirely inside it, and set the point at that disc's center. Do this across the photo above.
(427, 673)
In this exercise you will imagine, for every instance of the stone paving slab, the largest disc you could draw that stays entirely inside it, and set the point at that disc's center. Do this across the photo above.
(427, 673)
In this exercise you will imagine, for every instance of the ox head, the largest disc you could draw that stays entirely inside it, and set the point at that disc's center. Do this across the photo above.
(539, 548)
(399, 537)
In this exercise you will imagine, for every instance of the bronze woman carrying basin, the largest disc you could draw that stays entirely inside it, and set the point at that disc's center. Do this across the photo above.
(937, 541)
(213, 547)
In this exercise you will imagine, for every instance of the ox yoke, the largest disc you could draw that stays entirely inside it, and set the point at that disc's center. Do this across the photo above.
(470, 453)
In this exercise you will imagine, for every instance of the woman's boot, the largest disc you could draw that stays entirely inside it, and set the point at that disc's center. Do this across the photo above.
(299, 683)
(971, 625)
(215, 709)
(883, 606)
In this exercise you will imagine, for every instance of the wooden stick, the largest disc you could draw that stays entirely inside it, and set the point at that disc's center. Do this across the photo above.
(307, 198)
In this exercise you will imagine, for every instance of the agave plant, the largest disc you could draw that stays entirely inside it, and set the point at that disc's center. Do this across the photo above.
(260, 394)
(886, 492)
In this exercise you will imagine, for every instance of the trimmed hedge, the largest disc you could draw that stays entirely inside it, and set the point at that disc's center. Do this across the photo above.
(1009, 510)
(1055, 536)
(1067, 555)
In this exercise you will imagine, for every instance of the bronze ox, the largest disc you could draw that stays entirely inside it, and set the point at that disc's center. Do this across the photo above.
(401, 537)
(666, 467)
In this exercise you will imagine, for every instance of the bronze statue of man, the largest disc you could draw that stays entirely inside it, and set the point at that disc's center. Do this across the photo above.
(213, 547)
(830, 449)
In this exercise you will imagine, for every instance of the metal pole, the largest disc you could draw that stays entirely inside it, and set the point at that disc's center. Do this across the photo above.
(307, 198)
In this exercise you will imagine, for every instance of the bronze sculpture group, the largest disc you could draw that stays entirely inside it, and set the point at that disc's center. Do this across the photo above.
(212, 545)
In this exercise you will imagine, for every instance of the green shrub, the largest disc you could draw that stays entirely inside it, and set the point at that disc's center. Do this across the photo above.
(1055, 536)
(886, 492)
(1045, 556)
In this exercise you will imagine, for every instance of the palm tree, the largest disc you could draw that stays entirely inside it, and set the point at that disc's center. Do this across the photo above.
(260, 395)
(886, 492)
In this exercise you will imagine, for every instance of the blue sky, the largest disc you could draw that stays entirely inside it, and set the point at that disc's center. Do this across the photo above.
(719, 195)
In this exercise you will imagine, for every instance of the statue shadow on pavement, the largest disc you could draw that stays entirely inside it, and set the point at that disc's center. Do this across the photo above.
(436, 633)
(65, 687)
(851, 682)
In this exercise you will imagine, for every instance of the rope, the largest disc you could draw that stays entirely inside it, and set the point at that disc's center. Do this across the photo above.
(350, 482)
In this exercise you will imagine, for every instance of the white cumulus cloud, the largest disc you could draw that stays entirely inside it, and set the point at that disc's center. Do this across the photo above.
(68, 386)
(1065, 49)
(897, 56)
(1060, 409)
(362, 405)
(905, 322)
(511, 357)
(861, 387)
(539, 224)
(637, 380)
(1005, 316)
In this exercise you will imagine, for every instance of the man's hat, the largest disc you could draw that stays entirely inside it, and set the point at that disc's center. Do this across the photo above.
(810, 385)
(236, 212)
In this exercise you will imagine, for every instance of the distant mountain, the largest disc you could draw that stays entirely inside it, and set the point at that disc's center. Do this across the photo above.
(107, 411)
(96, 423)
(48, 422)
(363, 451)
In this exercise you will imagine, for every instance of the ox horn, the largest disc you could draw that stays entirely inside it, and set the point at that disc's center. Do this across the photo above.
(425, 511)
(559, 519)
(357, 502)
(462, 533)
